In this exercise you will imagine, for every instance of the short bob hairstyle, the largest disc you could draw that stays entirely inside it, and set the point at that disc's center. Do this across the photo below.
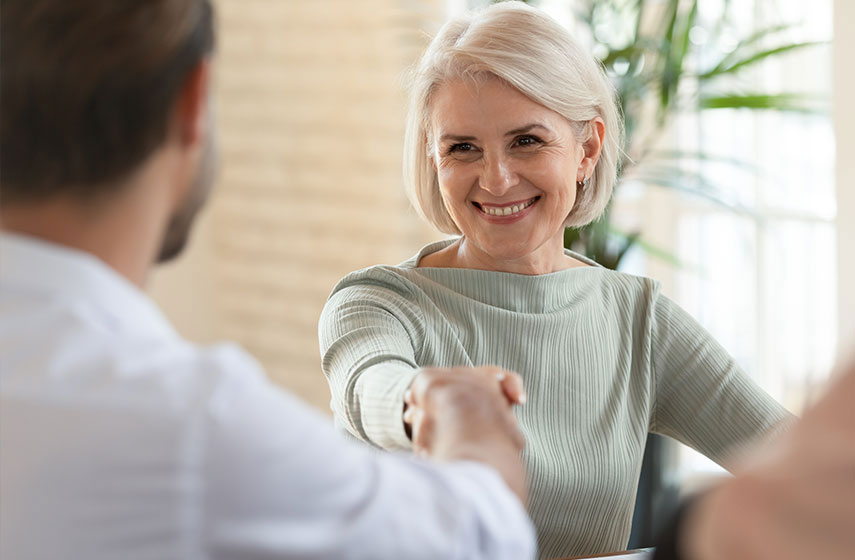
(537, 56)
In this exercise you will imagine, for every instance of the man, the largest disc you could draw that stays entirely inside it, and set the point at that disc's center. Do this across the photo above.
(117, 438)
(795, 501)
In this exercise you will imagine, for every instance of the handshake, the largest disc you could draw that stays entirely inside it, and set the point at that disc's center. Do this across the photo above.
(466, 414)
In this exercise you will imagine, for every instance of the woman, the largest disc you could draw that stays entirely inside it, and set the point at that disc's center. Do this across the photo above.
(513, 134)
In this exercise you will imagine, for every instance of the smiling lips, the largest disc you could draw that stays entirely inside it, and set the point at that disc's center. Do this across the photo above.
(507, 209)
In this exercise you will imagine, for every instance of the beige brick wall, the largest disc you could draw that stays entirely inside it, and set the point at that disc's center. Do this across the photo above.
(310, 114)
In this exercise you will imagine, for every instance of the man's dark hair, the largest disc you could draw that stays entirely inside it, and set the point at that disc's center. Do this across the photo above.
(87, 88)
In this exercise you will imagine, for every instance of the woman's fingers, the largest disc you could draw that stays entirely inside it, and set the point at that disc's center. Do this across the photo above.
(438, 391)
(410, 415)
(422, 428)
(512, 386)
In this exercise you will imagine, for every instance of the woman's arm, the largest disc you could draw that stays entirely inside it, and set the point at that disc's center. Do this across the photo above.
(703, 398)
(795, 500)
(369, 338)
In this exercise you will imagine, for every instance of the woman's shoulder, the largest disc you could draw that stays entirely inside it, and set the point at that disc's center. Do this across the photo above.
(399, 278)
(632, 283)
(623, 285)
(377, 278)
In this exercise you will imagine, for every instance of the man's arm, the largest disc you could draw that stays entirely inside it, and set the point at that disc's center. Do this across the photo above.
(282, 483)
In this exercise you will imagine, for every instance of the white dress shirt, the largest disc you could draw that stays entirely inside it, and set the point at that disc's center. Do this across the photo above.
(120, 440)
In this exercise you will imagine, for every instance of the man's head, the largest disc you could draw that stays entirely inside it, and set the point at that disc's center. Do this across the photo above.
(91, 89)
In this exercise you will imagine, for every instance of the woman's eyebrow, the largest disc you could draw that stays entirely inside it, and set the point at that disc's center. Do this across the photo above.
(456, 138)
(527, 128)
(520, 130)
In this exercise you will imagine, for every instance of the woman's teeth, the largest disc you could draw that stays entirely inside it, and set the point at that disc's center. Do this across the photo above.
(507, 210)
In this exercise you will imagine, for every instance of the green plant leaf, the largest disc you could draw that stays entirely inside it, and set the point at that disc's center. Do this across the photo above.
(692, 183)
(629, 53)
(756, 37)
(734, 66)
(658, 252)
(680, 155)
(630, 241)
(790, 102)
(676, 47)
(667, 78)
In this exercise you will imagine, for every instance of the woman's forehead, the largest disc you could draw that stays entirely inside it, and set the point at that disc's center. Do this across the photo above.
(466, 106)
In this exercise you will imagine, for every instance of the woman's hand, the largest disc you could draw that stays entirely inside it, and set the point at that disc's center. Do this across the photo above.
(465, 414)
(437, 379)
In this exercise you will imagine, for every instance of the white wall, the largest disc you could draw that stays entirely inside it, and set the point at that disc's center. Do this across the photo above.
(844, 122)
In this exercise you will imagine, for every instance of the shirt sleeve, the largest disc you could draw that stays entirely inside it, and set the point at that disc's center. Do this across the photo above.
(283, 484)
(369, 338)
(703, 398)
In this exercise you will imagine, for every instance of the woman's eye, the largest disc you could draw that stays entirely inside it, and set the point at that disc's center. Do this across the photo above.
(527, 141)
(463, 151)
(461, 147)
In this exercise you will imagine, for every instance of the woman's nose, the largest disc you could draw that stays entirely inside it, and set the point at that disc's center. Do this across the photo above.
(497, 175)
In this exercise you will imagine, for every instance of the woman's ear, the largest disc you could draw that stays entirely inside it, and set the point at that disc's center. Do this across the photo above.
(593, 146)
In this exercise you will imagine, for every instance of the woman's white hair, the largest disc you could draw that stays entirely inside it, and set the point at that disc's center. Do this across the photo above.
(537, 56)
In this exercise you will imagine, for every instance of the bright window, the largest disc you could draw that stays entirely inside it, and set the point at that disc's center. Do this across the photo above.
(762, 281)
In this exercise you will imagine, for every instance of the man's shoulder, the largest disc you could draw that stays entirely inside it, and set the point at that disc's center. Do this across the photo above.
(88, 367)
(184, 374)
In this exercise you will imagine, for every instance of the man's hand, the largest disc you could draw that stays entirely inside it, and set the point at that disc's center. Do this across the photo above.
(465, 414)
(796, 501)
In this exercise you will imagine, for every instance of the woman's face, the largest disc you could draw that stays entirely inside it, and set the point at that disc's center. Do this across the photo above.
(507, 170)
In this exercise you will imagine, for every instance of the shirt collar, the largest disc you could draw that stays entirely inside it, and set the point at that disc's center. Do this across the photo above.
(37, 268)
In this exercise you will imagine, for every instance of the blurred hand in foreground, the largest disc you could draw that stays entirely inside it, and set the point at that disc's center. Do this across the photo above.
(793, 502)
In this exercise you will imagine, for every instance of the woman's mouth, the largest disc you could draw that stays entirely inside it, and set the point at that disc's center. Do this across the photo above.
(506, 210)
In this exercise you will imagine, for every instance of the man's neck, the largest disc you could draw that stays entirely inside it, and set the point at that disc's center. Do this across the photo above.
(124, 233)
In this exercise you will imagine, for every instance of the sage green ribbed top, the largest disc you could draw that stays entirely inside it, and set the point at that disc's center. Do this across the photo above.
(604, 356)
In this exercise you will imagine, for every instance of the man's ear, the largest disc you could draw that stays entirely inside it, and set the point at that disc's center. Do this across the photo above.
(192, 105)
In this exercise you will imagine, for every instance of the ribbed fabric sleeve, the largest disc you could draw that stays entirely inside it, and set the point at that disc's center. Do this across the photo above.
(700, 390)
(371, 337)
(604, 356)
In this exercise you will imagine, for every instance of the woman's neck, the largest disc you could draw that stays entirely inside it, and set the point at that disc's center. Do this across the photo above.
(462, 254)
